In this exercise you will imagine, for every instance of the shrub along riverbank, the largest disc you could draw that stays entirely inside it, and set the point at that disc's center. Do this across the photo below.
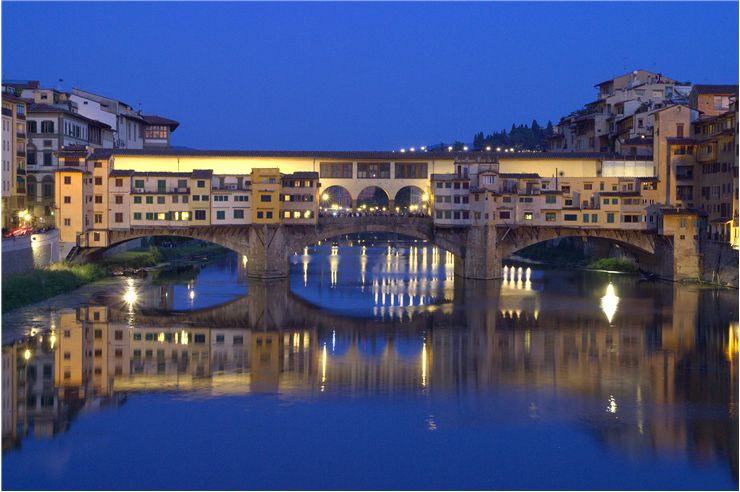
(35, 286)
(568, 256)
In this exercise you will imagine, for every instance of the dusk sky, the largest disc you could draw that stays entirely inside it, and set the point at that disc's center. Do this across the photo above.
(351, 76)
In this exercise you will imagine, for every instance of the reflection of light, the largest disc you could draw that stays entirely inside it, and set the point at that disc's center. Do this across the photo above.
(323, 367)
(334, 264)
(191, 295)
(609, 302)
(424, 365)
(732, 341)
(612, 408)
(130, 296)
(27, 354)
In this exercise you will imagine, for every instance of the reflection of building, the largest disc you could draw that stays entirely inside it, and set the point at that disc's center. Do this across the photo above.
(637, 362)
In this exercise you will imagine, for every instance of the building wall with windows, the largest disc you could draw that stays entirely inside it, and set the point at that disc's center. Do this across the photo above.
(14, 142)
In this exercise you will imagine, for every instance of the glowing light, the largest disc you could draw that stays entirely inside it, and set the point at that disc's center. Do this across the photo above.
(323, 367)
(424, 365)
(191, 295)
(160, 337)
(52, 340)
(130, 296)
(412, 149)
(403, 150)
(424, 197)
(449, 149)
(325, 196)
(244, 260)
(732, 341)
(184, 337)
(612, 407)
(609, 302)
(27, 354)
(465, 147)
(498, 149)
(488, 148)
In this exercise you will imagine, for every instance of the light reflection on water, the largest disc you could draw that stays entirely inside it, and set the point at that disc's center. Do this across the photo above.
(636, 382)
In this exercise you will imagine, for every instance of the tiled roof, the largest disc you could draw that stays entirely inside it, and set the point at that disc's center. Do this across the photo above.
(302, 175)
(72, 170)
(680, 141)
(153, 119)
(202, 173)
(348, 155)
(520, 175)
(715, 89)
(682, 211)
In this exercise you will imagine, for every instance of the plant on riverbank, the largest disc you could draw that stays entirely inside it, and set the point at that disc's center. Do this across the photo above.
(614, 265)
(191, 249)
(34, 286)
(134, 259)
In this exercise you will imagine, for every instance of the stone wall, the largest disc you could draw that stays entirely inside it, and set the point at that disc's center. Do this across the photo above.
(720, 264)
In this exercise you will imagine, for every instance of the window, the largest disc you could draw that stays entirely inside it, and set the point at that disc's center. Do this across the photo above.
(98, 198)
(411, 170)
(67, 199)
(67, 222)
(594, 218)
(119, 182)
(98, 181)
(528, 215)
(31, 126)
(47, 158)
(220, 215)
(550, 216)
(47, 126)
(196, 198)
(265, 198)
(160, 200)
(119, 217)
(238, 214)
(380, 170)
(149, 200)
(201, 183)
(504, 214)
(585, 218)
(588, 186)
(139, 183)
(137, 199)
(175, 198)
(550, 199)
(570, 217)
(204, 198)
(68, 180)
(610, 218)
(335, 170)
(286, 214)
(98, 218)
(96, 238)
(137, 215)
(200, 215)
(157, 132)
(119, 199)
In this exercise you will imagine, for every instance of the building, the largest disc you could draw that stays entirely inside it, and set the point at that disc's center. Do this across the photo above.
(157, 131)
(14, 142)
(126, 124)
(620, 116)
(712, 99)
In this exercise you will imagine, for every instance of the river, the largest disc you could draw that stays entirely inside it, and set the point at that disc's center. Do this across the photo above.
(372, 367)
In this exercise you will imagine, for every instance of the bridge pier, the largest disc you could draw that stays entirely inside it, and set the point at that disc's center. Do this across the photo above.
(268, 252)
(481, 255)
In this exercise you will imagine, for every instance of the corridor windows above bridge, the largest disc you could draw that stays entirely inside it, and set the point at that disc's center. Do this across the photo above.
(411, 170)
(367, 170)
(336, 170)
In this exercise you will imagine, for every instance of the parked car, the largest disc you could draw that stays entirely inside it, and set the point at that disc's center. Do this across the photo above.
(19, 231)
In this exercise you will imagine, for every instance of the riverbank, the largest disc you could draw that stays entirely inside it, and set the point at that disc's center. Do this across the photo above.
(565, 256)
(27, 288)
(35, 286)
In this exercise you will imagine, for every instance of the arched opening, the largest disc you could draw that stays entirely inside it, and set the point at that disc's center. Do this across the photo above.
(336, 198)
(172, 273)
(373, 198)
(411, 199)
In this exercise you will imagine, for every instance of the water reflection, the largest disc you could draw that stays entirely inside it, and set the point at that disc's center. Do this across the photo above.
(646, 370)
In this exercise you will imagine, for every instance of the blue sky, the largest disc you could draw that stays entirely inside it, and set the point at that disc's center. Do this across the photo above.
(351, 76)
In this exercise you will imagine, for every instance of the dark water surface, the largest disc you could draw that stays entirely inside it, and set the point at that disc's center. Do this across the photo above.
(373, 369)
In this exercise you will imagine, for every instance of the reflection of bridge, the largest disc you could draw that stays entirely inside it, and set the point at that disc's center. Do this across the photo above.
(478, 250)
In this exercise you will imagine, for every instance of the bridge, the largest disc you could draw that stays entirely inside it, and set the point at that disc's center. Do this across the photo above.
(478, 250)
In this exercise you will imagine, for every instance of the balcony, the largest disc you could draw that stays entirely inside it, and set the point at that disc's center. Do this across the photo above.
(7, 112)
(20, 135)
(20, 171)
(20, 153)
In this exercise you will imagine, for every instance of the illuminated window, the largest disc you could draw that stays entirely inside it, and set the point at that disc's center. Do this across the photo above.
(528, 216)
(296, 214)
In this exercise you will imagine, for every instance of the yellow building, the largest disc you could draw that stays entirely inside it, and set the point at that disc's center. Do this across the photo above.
(14, 142)
(266, 185)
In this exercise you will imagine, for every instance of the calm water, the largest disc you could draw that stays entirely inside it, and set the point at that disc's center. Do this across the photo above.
(373, 369)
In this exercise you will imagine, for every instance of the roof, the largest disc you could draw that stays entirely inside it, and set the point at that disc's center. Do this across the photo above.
(349, 155)
(118, 173)
(680, 141)
(714, 89)
(202, 173)
(682, 211)
(520, 175)
(48, 108)
(638, 141)
(721, 220)
(153, 119)
(448, 177)
(12, 98)
(302, 175)
(619, 193)
(72, 170)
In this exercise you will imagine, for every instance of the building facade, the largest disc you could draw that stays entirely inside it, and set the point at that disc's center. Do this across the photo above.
(14, 141)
